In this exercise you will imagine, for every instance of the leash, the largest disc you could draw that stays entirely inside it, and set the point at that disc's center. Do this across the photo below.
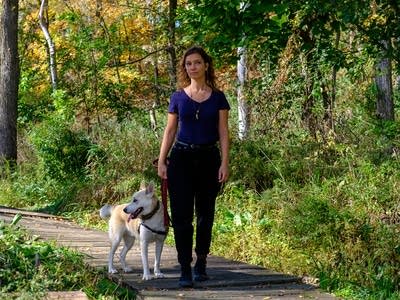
(164, 196)
(164, 199)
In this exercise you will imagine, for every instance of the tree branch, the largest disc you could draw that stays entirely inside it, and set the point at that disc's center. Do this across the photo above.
(113, 65)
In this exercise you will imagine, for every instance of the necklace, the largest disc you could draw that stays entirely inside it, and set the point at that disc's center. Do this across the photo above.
(197, 103)
(197, 110)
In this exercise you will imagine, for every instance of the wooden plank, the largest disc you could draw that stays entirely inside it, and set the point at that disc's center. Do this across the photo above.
(74, 295)
(271, 292)
(14, 211)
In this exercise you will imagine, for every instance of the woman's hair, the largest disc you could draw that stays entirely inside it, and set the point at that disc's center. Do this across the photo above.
(183, 77)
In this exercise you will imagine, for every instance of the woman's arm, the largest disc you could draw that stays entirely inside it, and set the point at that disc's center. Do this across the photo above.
(223, 129)
(167, 141)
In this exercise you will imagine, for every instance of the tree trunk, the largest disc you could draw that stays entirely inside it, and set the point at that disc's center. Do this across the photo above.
(383, 80)
(44, 25)
(243, 110)
(309, 71)
(328, 117)
(171, 47)
(153, 21)
(9, 78)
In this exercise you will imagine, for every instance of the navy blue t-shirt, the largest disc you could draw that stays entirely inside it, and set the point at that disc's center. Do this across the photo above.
(197, 121)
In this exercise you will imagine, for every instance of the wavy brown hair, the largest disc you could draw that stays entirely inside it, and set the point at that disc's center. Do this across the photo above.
(183, 77)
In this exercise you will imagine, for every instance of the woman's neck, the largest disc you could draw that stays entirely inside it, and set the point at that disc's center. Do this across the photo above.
(198, 90)
(198, 86)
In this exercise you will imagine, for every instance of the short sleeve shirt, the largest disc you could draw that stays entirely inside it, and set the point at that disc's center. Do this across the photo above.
(198, 121)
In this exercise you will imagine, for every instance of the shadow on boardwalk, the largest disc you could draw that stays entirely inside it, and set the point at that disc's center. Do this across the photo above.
(228, 279)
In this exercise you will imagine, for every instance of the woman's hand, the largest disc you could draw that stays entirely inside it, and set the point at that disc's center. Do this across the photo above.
(223, 173)
(162, 170)
(168, 139)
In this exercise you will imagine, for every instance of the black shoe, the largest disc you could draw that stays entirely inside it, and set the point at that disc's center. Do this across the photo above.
(186, 279)
(200, 270)
(201, 277)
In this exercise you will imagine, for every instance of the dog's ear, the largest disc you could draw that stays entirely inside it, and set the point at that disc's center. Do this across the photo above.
(143, 185)
(150, 188)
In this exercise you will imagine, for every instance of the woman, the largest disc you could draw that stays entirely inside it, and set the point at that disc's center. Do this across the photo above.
(197, 120)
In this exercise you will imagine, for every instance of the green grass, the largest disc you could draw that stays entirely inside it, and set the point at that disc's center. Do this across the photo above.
(327, 224)
(30, 268)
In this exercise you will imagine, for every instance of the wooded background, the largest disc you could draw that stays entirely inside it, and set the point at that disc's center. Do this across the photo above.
(314, 89)
(111, 57)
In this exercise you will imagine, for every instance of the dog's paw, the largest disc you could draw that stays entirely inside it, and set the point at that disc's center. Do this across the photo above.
(128, 270)
(112, 271)
(147, 277)
(159, 275)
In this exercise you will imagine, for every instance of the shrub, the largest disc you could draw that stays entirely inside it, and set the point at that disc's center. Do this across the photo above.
(31, 266)
(63, 152)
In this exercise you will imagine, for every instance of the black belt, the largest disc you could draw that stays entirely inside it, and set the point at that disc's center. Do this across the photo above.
(186, 146)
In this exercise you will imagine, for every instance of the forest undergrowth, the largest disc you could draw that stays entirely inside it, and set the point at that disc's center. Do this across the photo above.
(325, 207)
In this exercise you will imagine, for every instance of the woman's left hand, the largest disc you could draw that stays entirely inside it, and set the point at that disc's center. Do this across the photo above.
(223, 173)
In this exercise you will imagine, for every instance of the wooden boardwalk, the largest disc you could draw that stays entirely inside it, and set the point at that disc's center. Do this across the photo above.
(228, 279)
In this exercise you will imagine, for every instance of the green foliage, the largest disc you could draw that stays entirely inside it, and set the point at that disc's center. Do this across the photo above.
(34, 267)
(131, 149)
(255, 167)
(30, 268)
(323, 204)
(34, 98)
(63, 105)
(336, 225)
(32, 107)
(314, 209)
(35, 191)
(53, 180)
(387, 130)
(111, 290)
(62, 151)
(223, 26)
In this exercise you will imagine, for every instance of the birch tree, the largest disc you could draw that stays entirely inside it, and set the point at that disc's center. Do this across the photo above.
(44, 25)
(243, 111)
(153, 20)
(9, 79)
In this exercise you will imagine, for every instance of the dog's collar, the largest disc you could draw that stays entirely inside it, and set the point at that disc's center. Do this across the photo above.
(160, 232)
(152, 213)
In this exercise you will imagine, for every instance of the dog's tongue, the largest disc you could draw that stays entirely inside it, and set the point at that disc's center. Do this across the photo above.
(135, 214)
(130, 217)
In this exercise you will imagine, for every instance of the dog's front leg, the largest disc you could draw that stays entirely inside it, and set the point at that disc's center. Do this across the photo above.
(144, 247)
(159, 248)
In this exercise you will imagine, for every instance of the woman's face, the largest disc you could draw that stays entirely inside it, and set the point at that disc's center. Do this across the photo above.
(195, 66)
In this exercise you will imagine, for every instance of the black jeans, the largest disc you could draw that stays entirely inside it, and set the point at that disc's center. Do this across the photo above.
(193, 186)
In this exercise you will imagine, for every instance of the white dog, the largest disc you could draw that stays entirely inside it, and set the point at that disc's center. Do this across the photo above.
(141, 219)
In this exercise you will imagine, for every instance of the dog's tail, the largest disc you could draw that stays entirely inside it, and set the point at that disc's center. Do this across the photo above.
(105, 211)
